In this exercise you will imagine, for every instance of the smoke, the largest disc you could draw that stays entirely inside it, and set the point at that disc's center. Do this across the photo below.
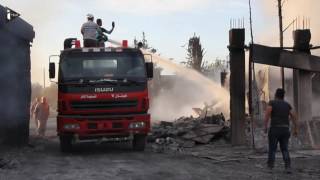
(45, 17)
(190, 90)
(292, 9)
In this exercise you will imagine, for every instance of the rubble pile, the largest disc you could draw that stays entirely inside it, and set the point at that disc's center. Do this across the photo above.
(186, 132)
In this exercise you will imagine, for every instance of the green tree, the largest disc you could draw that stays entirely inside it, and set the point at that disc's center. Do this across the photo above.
(195, 53)
(217, 65)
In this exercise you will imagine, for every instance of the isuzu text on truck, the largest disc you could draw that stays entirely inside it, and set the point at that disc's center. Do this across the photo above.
(102, 95)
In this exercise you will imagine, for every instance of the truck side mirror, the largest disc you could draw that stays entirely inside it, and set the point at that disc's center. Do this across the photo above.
(52, 70)
(149, 68)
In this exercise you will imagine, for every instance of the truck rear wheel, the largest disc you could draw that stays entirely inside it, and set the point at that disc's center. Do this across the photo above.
(65, 143)
(139, 142)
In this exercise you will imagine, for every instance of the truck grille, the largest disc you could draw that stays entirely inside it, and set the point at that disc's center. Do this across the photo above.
(100, 105)
(115, 125)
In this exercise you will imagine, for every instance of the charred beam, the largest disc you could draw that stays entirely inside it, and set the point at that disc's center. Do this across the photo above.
(276, 57)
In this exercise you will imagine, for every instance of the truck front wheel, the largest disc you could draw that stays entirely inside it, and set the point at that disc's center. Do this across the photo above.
(65, 143)
(139, 142)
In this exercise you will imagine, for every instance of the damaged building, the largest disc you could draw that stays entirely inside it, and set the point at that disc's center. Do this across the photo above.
(16, 36)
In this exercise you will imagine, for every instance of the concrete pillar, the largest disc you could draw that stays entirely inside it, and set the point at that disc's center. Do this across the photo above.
(237, 86)
(302, 88)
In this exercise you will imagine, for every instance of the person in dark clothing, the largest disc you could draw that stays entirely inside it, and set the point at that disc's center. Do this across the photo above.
(280, 113)
(101, 37)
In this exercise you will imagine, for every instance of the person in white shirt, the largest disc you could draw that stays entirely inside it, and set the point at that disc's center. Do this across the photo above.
(89, 32)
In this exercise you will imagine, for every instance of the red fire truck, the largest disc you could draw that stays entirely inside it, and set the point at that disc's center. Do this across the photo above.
(102, 95)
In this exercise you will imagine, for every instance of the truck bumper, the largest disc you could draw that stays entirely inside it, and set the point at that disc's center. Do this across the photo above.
(109, 127)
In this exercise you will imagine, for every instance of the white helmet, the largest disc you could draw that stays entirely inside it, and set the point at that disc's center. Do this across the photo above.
(90, 16)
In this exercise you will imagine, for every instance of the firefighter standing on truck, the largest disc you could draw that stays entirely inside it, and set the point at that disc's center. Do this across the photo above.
(101, 37)
(89, 32)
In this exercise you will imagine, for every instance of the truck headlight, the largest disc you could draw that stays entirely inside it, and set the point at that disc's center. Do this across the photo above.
(137, 125)
(71, 126)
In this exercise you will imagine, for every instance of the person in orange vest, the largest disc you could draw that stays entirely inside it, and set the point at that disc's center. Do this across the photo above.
(42, 114)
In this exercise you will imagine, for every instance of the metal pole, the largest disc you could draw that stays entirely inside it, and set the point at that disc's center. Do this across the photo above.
(250, 78)
(281, 38)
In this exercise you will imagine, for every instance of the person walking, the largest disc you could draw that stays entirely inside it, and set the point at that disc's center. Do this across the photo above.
(32, 109)
(280, 113)
(89, 32)
(42, 114)
(101, 37)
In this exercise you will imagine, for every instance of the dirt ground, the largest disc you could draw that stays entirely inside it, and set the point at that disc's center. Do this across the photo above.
(42, 160)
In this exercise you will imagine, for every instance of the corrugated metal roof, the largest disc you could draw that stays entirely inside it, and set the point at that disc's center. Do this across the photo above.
(16, 26)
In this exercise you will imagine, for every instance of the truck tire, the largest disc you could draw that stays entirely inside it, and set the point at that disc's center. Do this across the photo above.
(65, 143)
(139, 142)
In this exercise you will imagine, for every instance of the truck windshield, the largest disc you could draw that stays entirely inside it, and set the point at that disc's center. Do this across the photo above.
(104, 66)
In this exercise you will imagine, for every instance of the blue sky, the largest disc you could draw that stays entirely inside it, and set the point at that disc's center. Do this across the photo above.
(167, 23)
